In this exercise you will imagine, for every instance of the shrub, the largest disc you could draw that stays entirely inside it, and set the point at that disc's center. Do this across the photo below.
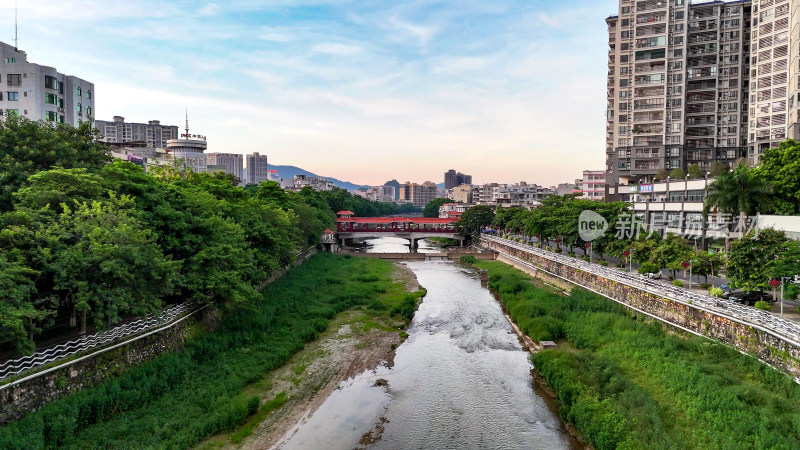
(557, 250)
(716, 292)
(705, 286)
(572, 254)
(649, 267)
(677, 283)
(468, 259)
(603, 262)
(762, 305)
(585, 258)
(791, 291)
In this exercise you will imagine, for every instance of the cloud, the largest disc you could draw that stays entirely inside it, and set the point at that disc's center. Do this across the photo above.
(210, 9)
(422, 33)
(464, 64)
(336, 48)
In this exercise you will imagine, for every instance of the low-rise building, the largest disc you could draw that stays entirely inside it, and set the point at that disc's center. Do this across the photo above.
(300, 181)
(453, 210)
(152, 133)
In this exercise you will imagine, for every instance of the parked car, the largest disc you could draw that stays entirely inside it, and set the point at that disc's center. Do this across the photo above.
(726, 289)
(747, 298)
(653, 275)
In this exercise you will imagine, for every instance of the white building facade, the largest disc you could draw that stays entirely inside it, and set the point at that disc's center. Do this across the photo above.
(40, 92)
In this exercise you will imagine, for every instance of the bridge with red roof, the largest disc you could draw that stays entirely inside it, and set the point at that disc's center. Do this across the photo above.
(411, 228)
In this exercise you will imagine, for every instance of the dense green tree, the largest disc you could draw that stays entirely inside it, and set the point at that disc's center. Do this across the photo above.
(718, 168)
(511, 218)
(738, 192)
(102, 260)
(760, 256)
(432, 208)
(706, 263)
(271, 192)
(474, 220)
(661, 174)
(671, 252)
(22, 310)
(695, 172)
(781, 168)
(52, 188)
(677, 174)
(27, 147)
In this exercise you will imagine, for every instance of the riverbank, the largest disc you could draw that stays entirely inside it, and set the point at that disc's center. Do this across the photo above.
(184, 397)
(624, 380)
(356, 341)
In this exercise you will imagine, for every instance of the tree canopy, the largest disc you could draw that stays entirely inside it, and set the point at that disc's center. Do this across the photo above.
(780, 167)
(432, 208)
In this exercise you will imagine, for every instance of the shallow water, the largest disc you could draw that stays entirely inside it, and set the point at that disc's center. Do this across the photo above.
(460, 381)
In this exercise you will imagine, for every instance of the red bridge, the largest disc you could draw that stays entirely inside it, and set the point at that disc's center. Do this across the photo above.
(411, 228)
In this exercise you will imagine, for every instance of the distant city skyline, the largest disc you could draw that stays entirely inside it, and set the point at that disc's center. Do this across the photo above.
(363, 91)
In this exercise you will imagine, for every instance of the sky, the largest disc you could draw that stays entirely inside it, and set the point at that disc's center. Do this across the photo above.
(364, 91)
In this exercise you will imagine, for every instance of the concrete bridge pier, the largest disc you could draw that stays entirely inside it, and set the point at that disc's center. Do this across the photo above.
(414, 244)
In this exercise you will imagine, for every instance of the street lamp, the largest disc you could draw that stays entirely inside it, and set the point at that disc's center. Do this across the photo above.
(589, 247)
(627, 253)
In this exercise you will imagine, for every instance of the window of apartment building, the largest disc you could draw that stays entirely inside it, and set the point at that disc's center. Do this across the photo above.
(50, 116)
(625, 46)
(623, 129)
(88, 110)
(678, 28)
(623, 83)
(679, 2)
(625, 34)
(623, 94)
(623, 58)
(679, 15)
(88, 94)
(50, 82)
(13, 96)
(623, 106)
(626, 22)
(14, 79)
(676, 115)
(623, 118)
(80, 108)
(60, 103)
(60, 119)
(626, 10)
(624, 70)
(10, 60)
(51, 99)
(677, 53)
(78, 90)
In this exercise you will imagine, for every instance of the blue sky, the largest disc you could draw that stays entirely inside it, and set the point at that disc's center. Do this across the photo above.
(364, 91)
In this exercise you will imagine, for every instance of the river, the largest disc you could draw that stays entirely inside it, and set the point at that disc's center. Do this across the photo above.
(460, 381)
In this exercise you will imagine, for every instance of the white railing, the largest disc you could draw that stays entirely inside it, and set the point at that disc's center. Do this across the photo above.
(782, 328)
(13, 367)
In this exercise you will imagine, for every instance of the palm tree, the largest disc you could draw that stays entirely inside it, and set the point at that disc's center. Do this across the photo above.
(738, 192)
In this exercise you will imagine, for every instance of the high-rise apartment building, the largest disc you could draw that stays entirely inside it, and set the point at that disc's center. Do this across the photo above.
(257, 168)
(678, 87)
(40, 92)
(453, 179)
(419, 194)
(233, 163)
(152, 133)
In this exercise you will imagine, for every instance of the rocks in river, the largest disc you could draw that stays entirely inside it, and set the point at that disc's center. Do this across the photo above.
(381, 383)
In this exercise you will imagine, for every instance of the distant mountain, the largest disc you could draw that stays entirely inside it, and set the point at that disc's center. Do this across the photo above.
(291, 171)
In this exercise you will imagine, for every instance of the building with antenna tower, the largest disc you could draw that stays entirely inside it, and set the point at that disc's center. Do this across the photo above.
(189, 149)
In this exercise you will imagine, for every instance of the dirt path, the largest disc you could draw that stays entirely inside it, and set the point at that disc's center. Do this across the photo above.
(354, 343)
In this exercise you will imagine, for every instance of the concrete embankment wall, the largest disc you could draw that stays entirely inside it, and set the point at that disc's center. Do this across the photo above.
(30, 393)
(748, 338)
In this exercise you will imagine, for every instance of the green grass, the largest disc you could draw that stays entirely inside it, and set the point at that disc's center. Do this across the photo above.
(635, 384)
(184, 397)
(265, 410)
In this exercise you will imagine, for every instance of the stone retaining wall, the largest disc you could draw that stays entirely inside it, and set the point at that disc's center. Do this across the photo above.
(19, 399)
(744, 337)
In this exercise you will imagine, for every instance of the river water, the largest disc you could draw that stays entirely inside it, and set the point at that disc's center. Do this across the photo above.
(460, 381)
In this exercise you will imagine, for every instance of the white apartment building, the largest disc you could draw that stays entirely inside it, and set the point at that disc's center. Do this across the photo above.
(41, 92)
(507, 195)
(257, 168)
(231, 162)
(152, 133)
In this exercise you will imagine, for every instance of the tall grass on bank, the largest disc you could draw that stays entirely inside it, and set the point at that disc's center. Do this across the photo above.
(625, 383)
(183, 397)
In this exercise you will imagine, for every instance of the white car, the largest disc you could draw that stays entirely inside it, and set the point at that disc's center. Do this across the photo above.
(654, 275)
